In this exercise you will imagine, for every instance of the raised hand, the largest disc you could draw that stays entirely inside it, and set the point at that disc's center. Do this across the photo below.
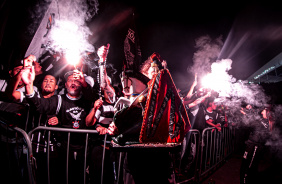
(102, 52)
(98, 103)
(28, 75)
(78, 76)
(29, 61)
(28, 72)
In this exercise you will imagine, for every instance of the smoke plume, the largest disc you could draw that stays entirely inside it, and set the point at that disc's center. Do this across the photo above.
(70, 32)
(214, 74)
(208, 52)
(232, 93)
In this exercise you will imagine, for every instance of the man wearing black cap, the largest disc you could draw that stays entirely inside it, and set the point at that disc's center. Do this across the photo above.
(71, 109)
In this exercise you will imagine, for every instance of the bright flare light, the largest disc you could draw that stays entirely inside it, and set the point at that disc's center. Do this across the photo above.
(72, 39)
(73, 58)
(219, 80)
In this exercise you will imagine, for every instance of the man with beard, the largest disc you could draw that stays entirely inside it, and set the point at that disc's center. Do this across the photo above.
(40, 138)
(71, 109)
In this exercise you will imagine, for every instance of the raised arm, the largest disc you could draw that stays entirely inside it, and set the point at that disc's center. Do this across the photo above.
(189, 94)
(11, 90)
(102, 53)
(212, 123)
(90, 119)
(26, 74)
(105, 83)
(198, 100)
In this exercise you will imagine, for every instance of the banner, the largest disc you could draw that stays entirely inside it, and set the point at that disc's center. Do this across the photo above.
(132, 49)
(40, 38)
(165, 119)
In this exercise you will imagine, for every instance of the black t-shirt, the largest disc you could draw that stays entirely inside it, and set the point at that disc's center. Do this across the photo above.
(71, 113)
(260, 131)
(213, 116)
(200, 122)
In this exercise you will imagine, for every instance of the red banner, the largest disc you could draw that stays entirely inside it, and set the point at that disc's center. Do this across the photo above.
(165, 119)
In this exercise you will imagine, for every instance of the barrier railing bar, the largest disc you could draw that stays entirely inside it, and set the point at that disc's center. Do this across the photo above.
(69, 131)
(224, 145)
(85, 155)
(62, 130)
(119, 166)
(197, 137)
(103, 159)
(68, 155)
(30, 161)
(48, 157)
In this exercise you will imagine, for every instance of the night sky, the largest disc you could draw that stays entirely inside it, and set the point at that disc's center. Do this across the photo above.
(251, 32)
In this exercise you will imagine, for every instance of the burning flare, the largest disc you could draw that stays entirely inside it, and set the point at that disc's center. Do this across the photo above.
(71, 39)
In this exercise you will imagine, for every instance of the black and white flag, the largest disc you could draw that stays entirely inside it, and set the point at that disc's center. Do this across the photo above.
(132, 49)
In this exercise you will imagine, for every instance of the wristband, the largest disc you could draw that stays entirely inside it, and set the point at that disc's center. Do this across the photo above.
(30, 95)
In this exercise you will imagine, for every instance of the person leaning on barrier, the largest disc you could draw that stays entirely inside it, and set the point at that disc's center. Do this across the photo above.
(148, 165)
(200, 115)
(223, 115)
(71, 109)
(99, 118)
(16, 88)
(211, 115)
(39, 138)
(12, 158)
(192, 102)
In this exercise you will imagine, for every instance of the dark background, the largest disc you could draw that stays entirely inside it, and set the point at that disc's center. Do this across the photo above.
(251, 32)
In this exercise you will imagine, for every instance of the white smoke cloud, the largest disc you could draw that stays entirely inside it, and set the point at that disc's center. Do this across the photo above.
(233, 93)
(208, 52)
(70, 32)
(229, 87)
(49, 19)
(36, 14)
(214, 74)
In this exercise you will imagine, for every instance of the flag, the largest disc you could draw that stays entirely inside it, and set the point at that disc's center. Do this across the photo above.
(132, 49)
(40, 39)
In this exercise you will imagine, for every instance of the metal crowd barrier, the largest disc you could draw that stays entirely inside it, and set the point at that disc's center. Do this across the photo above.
(215, 148)
(193, 147)
(69, 131)
(212, 149)
(27, 149)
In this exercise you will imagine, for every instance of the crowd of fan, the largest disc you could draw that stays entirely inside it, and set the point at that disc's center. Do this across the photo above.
(85, 103)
